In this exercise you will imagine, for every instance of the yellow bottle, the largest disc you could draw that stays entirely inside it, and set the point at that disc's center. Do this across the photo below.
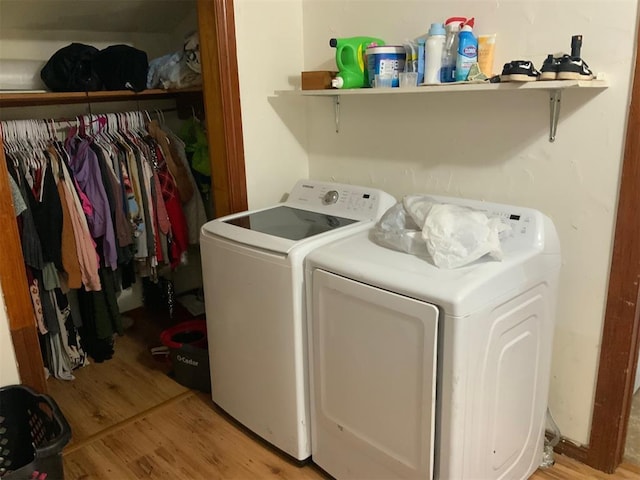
(486, 49)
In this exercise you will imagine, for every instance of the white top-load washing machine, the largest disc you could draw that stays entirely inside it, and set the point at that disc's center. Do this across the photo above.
(253, 278)
(421, 372)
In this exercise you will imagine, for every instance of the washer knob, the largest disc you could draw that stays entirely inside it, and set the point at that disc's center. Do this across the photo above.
(330, 197)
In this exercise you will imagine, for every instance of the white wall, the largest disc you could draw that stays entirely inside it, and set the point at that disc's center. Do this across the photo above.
(269, 46)
(8, 365)
(490, 145)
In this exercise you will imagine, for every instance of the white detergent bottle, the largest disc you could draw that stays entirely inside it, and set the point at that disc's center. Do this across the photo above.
(467, 51)
(434, 48)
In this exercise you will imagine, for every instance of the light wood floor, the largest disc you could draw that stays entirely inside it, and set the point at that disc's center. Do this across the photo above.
(131, 421)
(105, 394)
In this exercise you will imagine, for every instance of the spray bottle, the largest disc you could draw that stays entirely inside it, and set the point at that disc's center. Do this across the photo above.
(350, 60)
(450, 50)
(467, 51)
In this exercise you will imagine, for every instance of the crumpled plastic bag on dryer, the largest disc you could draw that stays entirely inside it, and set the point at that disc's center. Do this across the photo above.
(397, 230)
(451, 236)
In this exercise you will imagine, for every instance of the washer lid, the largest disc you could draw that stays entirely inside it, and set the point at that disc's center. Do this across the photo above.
(288, 222)
(278, 228)
(312, 211)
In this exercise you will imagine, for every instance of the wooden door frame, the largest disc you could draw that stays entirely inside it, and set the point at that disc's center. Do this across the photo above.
(620, 335)
(217, 31)
(224, 129)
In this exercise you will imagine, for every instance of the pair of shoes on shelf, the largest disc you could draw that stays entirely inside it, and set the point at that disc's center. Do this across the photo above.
(567, 67)
(519, 71)
(564, 67)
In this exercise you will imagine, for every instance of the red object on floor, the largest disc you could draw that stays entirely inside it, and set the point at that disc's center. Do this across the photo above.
(192, 332)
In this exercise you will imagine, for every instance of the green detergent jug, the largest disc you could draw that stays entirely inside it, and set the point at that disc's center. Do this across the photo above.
(350, 58)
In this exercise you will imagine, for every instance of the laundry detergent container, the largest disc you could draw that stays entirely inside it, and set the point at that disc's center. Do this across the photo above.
(387, 61)
(187, 343)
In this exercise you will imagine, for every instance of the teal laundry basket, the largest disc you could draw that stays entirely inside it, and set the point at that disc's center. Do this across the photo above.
(33, 432)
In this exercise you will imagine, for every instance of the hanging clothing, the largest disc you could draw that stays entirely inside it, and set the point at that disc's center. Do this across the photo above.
(70, 261)
(84, 164)
(85, 247)
(194, 209)
(91, 212)
(47, 216)
(174, 165)
(18, 202)
(180, 235)
(29, 238)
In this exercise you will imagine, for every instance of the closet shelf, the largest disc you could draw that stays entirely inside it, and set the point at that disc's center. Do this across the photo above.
(38, 98)
(554, 89)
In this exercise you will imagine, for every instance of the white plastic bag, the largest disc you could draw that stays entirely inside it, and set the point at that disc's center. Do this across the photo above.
(398, 231)
(448, 235)
(456, 236)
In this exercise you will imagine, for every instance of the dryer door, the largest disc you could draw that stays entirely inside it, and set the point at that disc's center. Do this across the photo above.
(373, 380)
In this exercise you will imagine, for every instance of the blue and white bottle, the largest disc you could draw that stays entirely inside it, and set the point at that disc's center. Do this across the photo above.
(467, 52)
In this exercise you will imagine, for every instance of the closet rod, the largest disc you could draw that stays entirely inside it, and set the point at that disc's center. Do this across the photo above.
(73, 119)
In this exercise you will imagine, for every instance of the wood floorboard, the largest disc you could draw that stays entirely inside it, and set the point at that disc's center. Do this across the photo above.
(105, 394)
(186, 440)
(131, 421)
(190, 439)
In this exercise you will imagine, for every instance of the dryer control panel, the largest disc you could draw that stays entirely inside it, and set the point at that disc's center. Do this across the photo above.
(528, 226)
(521, 223)
(351, 201)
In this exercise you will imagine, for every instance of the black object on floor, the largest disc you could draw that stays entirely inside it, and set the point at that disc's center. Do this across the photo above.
(187, 343)
(33, 432)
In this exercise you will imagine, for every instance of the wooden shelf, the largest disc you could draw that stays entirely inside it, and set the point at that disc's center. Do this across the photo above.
(554, 89)
(451, 88)
(37, 98)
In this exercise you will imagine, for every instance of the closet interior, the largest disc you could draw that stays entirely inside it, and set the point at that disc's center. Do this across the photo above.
(110, 189)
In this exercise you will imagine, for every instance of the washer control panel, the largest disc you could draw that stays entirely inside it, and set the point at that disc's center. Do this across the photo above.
(350, 201)
(331, 197)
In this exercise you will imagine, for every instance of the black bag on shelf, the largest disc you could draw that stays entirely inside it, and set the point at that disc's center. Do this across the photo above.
(122, 67)
(71, 69)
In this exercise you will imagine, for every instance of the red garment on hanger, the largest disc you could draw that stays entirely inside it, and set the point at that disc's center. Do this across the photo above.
(180, 233)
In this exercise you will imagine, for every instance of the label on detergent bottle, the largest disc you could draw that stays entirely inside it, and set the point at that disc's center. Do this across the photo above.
(388, 66)
(467, 53)
(385, 61)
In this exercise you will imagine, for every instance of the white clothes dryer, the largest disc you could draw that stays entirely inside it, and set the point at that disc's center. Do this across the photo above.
(253, 276)
(420, 372)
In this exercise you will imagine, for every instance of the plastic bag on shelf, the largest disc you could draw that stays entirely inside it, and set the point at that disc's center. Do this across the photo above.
(180, 69)
(171, 71)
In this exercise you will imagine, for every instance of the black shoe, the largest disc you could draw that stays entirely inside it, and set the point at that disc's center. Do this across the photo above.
(573, 68)
(549, 69)
(519, 71)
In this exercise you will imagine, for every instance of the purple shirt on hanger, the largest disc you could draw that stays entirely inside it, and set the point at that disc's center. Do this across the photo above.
(84, 164)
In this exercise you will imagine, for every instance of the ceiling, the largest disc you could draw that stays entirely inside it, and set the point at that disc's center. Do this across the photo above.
(143, 16)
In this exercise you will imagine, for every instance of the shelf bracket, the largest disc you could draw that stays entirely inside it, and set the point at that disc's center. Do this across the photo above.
(336, 111)
(554, 112)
